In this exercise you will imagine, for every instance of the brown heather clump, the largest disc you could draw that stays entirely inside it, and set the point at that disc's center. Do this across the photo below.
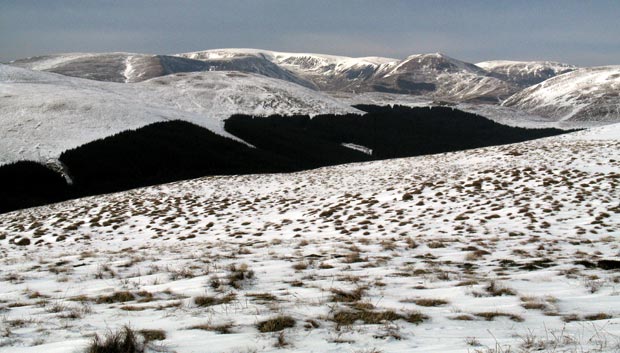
(277, 323)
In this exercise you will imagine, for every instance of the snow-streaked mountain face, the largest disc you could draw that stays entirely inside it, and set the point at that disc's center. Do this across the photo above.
(525, 73)
(587, 94)
(444, 78)
(324, 72)
(43, 114)
(435, 75)
(113, 67)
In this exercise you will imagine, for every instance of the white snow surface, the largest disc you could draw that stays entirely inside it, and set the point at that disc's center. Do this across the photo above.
(513, 231)
(359, 148)
(53, 61)
(43, 114)
(588, 94)
(526, 71)
(303, 62)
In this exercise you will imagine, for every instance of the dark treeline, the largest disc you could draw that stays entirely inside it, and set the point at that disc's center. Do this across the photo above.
(26, 184)
(390, 132)
(177, 150)
(159, 153)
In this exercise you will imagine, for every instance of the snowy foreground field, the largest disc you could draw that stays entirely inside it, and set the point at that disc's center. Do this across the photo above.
(503, 249)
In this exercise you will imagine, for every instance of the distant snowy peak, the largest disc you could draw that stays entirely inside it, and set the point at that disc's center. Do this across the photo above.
(444, 78)
(112, 67)
(246, 60)
(437, 62)
(525, 73)
(587, 94)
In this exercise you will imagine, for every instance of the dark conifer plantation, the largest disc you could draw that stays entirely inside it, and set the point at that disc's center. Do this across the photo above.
(177, 150)
(159, 153)
(26, 184)
(390, 132)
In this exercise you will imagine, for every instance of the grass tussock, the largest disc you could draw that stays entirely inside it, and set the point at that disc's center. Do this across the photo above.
(116, 297)
(491, 315)
(591, 317)
(275, 324)
(153, 335)
(239, 275)
(343, 296)
(262, 297)
(496, 290)
(428, 302)
(374, 317)
(124, 340)
(223, 329)
(205, 300)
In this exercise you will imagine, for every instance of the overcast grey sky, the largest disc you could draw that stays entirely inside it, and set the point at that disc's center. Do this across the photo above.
(580, 32)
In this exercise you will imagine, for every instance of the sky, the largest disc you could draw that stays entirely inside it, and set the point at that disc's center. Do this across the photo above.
(580, 32)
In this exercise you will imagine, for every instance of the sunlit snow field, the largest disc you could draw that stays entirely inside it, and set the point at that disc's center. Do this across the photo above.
(497, 249)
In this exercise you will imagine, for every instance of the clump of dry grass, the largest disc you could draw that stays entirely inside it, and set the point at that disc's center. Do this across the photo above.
(275, 324)
(302, 265)
(496, 290)
(124, 340)
(221, 328)
(426, 301)
(153, 335)
(343, 296)
(116, 297)
(463, 317)
(349, 317)
(591, 317)
(238, 275)
(262, 297)
(354, 257)
(369, 316)
(213, 300)
(491, 315)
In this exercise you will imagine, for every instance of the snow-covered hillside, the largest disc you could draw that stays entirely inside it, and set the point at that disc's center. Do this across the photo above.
(525, 73)
(443, 77)
(587, 94)
(43, 114)
(502, 249)
(325, 72)
(114, 67)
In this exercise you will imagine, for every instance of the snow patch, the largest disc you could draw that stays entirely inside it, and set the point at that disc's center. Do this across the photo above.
(359, 148)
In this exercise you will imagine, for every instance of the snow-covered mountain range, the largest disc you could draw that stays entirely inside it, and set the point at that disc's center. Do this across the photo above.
(42, 114)
(433, 75)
